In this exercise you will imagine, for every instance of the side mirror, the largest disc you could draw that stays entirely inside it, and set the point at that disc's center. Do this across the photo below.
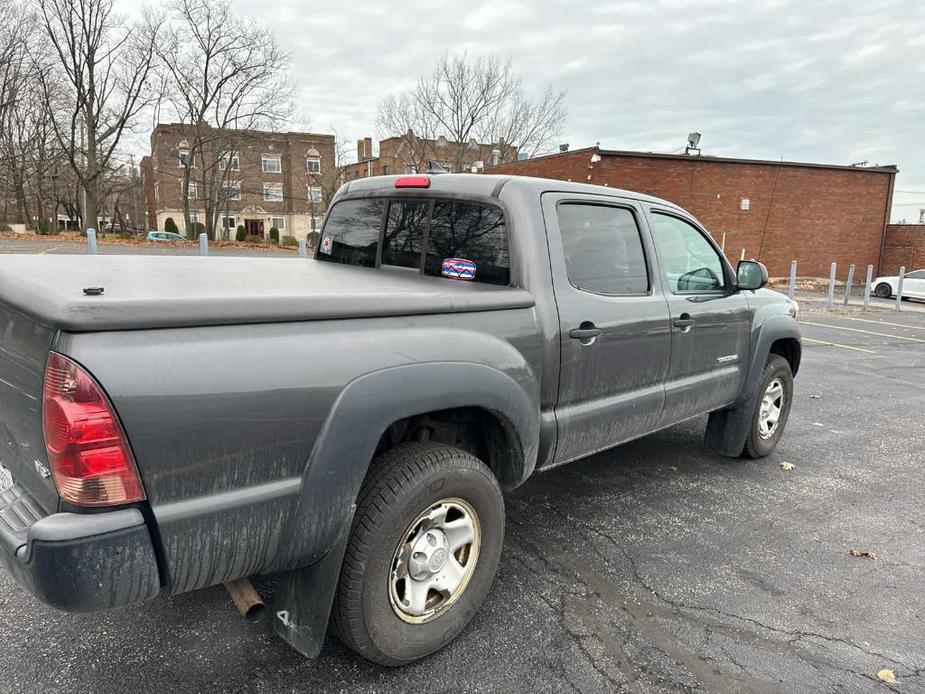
(751, 274)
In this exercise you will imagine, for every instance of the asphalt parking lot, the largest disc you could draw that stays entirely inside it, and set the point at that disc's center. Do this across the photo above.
(654, 567)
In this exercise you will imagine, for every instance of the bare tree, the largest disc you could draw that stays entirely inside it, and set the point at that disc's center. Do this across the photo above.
(226, 78)
(465, 99)
(104, 64)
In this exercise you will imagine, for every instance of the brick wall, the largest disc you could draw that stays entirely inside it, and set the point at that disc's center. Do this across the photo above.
(164, 176)
(904, 245)
(814, 214)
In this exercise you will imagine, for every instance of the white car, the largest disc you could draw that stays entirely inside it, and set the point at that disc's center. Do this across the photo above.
(913, 285)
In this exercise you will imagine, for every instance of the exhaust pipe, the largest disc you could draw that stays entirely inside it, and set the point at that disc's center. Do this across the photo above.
(246, 599)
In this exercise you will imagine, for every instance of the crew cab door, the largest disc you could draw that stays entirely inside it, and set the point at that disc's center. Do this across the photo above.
(613, 323)
(710, 319)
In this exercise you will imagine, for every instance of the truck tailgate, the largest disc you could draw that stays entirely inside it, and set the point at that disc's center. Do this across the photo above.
(24, 346)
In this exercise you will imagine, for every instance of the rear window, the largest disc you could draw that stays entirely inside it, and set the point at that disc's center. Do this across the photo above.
(443, 238)
(351, 233)
(469, 232)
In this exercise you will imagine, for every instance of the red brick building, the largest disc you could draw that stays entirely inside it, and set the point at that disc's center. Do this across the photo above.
(775, 211)
(409, 153)
(266, 179)
(904, 245)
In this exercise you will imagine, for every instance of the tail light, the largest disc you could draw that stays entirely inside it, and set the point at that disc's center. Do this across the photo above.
(89, 456)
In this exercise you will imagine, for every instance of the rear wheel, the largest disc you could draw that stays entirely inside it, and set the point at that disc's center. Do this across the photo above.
(772, 407)
(423, 552)
(883, 290)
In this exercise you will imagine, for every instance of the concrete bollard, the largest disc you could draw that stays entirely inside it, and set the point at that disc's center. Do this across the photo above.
(899, 288)
(793, 280)
(870, 276)
(302, 252)
(91, 241)
(848, 285)
(203, 244)
(831, 301)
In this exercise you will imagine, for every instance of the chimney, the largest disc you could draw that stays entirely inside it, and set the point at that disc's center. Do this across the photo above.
(495, 157)
(563, 147)
(365, 149)
(922, 216)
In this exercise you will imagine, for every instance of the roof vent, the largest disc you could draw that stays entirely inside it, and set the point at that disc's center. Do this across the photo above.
(563, 147)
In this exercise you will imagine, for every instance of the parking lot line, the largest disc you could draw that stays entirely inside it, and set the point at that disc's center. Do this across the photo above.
(883, 322)
(836, 344)
(866, 332)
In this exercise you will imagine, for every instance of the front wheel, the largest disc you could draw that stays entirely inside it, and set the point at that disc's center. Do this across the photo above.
(772, 407)
(883, 290)
(423, 552)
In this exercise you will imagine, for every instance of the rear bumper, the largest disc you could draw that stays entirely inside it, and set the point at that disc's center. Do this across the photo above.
(77, 562)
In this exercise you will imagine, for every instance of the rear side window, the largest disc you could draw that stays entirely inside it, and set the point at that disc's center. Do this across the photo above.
(404, 233)
(351, 232)
(466, 231)
(603, 249)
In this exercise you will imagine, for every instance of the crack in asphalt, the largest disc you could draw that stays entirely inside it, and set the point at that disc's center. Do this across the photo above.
(796, 635)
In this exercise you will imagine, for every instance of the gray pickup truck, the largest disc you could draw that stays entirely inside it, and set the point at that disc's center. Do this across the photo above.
(351, 422)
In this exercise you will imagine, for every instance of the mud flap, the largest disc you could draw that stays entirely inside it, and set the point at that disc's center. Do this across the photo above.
(302, 604)
(727, 431)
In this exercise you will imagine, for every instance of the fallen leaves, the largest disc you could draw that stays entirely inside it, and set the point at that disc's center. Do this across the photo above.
(856, 552)
(787, 466)
(887, 675)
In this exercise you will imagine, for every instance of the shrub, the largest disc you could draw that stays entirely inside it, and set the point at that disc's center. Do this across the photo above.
(5, 227)
(253, 238)
(126, 235)
(198, 228)
(44, 227)
(290, 241)
(241, 233)
(274, 234)
(171, 226)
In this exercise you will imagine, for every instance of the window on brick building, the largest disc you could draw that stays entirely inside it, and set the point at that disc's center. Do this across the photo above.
(229, 162)
(278, 222)
(314, 194)
(231, 190)
(273, 192)
(183, 157)
(313, 165)
(272, 163)
(193, 190)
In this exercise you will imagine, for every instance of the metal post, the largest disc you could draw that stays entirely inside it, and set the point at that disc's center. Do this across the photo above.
(203, 244)
(848, 286)
(91, 241)
(832, 286)
(870, 275)
(899, 288)
(302, 252)
(793, 279)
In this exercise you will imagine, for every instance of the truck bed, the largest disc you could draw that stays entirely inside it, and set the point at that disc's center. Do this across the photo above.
(177, 291)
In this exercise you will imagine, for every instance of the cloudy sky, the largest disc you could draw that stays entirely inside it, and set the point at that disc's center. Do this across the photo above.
(838, 81)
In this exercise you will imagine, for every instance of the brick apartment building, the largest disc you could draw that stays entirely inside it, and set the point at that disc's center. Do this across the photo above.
(267, 180)
(409, 154)
(775, 211)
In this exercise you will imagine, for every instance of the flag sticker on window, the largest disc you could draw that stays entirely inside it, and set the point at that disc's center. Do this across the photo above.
(458, 269)
(327, 243)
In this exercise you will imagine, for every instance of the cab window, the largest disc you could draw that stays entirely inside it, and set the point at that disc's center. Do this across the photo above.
(689, 261)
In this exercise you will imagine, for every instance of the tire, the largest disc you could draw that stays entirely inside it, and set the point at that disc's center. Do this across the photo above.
(762, 439)
(404, 484)
(883, 290)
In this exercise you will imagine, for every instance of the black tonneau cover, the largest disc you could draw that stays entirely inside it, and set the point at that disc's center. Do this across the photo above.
(177, 291)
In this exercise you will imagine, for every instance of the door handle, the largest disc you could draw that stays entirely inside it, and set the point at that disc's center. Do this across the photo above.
(586, 332)
(684, 321)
